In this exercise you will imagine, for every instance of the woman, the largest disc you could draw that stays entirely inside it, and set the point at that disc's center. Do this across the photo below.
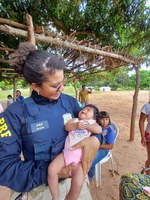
(145, 133)
(35, 127)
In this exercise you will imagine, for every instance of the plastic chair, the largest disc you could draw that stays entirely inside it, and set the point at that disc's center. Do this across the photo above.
(108, 157)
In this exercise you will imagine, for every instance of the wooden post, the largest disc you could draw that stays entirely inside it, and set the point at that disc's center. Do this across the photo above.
(31, 36)
(30, 29)
(14, 90)
(135, 101)
(149, 94)
(74, 85)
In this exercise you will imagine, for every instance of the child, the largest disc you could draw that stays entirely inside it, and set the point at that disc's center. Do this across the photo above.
(10, 100)
(19, 97)
(79, 128)
(107, 141)
(145, 131)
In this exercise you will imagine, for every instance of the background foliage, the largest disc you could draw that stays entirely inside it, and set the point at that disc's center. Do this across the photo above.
(123, 24)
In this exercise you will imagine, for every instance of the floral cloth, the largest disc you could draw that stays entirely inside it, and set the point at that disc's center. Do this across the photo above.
(131, 186)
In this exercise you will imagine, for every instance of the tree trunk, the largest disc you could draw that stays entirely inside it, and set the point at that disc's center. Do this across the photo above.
(76, 91)
(135, 101)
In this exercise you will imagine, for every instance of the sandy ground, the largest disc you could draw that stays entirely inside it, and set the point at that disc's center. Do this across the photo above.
(128, 156)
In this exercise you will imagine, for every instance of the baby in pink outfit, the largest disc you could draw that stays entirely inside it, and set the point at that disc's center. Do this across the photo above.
(73, 138)
(79, 129)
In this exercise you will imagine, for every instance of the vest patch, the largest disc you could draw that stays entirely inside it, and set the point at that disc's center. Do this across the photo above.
(39, 126)
(67, 117)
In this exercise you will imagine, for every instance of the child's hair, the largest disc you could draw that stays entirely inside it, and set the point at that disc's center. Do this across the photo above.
(95, 110)
(104, 114)
(9, 96)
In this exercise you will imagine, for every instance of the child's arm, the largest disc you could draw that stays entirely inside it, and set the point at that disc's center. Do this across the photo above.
(94, 128)
(106, 146)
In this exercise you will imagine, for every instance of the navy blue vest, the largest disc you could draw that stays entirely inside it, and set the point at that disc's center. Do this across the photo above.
(43, 133)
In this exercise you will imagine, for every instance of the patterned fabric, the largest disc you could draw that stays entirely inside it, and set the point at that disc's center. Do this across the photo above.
(131, 186)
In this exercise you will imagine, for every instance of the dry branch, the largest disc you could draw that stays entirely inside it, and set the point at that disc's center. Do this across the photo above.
(4, 61)
(6, 49)
(12, 23)
(59, 42)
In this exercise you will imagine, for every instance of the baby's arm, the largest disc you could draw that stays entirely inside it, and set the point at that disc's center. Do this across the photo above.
(73, 124)
(94, 128)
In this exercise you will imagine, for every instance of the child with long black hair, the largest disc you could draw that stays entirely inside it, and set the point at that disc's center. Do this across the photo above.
(107, 140)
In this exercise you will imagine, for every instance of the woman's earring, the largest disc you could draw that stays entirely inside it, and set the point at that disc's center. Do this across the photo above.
(38, 93)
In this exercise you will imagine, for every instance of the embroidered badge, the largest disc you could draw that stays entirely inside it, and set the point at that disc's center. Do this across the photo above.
(67, 117)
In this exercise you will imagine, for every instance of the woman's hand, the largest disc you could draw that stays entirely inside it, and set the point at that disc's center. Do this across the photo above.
(89, 147)
(65, 171)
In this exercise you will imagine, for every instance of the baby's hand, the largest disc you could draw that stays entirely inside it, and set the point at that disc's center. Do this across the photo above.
(82, 125)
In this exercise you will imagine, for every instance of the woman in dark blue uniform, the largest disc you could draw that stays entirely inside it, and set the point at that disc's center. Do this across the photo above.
(35, 126)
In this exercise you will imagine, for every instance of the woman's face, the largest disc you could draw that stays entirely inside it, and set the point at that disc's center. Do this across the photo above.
(52, 87)
(104, 122)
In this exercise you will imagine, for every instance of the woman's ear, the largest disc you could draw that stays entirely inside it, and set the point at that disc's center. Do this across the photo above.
(35, 87)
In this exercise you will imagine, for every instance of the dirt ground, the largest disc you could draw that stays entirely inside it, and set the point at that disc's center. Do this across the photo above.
(128, 156)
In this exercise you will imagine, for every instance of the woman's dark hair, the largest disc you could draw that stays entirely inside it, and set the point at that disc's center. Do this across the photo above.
(34, 65)
(96, 111)
(104, 114)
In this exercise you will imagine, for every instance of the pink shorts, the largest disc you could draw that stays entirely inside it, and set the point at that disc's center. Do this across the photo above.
(147, 136)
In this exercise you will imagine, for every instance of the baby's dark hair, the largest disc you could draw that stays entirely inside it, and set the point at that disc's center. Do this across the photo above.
(35, 65)
(104, 114)
(96, 111)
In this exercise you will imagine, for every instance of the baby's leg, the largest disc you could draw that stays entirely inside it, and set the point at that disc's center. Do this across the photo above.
(76, 183)
(53, 170)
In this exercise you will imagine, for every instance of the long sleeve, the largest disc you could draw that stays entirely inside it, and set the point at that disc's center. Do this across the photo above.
(15, 173)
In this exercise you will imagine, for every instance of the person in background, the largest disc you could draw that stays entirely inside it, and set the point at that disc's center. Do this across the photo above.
(145, 132)
(107, 139)
(9, 100)
(81, 128)
(19, 97)
(35, 128)
(84, 96)
(1, 108)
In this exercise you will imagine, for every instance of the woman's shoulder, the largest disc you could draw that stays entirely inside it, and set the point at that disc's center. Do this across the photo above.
(15, 107)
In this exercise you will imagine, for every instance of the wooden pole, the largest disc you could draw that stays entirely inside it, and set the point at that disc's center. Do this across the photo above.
(135, 102)
(56, 41)
(30, 28)
(14, 90)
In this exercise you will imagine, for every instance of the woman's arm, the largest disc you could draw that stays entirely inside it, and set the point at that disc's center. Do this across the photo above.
(17, 174)
(141, 127)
